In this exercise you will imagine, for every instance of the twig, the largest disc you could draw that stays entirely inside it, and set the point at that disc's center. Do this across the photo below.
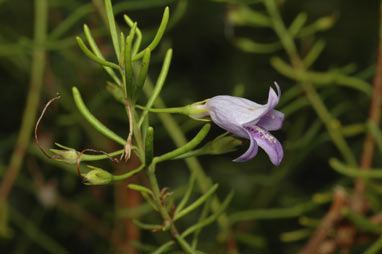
(38, 124)
(357, 200)
(30, 111)
(327, 223)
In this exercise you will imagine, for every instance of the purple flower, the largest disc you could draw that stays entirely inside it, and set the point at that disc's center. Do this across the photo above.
(250, 120)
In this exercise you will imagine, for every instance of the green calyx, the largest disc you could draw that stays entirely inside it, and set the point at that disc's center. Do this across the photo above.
(97, 176)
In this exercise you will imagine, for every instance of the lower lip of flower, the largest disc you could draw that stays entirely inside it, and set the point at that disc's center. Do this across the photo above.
(264, 134)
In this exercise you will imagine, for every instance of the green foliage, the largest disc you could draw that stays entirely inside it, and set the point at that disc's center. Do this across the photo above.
(168, 191)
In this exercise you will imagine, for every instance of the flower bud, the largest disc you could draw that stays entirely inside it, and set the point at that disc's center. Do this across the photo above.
(68, 155)
(97, 176)
(223, 144)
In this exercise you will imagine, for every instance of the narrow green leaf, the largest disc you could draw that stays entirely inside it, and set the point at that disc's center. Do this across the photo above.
(187, 147)
(70, 21)
(187, 195)
(116, 91)
(149, 145)
(321, 24)
(314, 53)
(123, 49)
(211, 218)
(98, 53)
(112, 28)
(298, 23)
(129, 90)
(164, 247)
(320, 78)
(142, 73)
(354, 172)
(197, 203)
(146, 226)
(243, 15)
(377, 134)
(375, 247)
(159, 84)
(274, 213)
(138, 41)
(133, 5)
(92, 120)
(149, 201)
(362, 223)
(159, 34)
(203, 216)
(184, 244)
(251, 46)
(140, 188)
(93, 57)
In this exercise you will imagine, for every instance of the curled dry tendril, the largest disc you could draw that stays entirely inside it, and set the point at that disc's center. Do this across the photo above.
(38, 123)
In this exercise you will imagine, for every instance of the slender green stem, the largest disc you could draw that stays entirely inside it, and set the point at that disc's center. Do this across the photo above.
(193, 163)
(282, 32)
(159, 84)
(332, 125)
(128, 174)
(179, 110)
(163, 210)
(96, 157)
(30, 110)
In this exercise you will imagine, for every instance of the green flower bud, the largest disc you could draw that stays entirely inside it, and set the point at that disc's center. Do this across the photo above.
(223, 144)
(97, 176)
(68, 155)
(220, 145)
(325, 23)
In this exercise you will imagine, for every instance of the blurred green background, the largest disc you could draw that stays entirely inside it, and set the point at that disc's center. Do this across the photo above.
(50, 211)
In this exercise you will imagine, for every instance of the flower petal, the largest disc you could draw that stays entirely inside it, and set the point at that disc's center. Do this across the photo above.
(231, 112)
(271, 121)
(268, 142)
(273, 100)
(252, 150)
